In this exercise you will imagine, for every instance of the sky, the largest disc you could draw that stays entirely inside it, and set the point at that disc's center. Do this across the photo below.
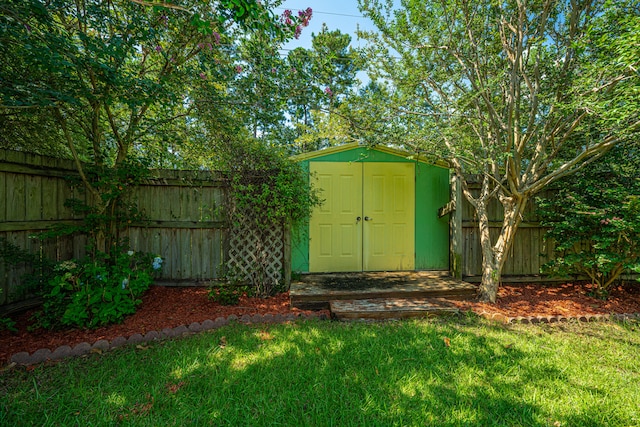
(340, 15)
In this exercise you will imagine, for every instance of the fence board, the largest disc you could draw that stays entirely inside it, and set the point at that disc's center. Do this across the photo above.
(3, 280)
(3, 194)
(14, 275)
(16, 207)
(184, 246)
(49, 190)
(33, 197)
(196, 254)
(529, 251)
(208, 267)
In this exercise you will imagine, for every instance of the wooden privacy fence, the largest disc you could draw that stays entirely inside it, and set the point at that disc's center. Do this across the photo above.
(529, 252)
(32, 193)
(184, 223)
(186, 226)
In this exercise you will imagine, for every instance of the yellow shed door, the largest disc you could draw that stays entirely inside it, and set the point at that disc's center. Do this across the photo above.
(335, 233)
(389, 213)
(367, 220)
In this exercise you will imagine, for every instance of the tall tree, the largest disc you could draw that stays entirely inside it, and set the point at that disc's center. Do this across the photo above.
(522, 92)
(321, 80)
(113, 78)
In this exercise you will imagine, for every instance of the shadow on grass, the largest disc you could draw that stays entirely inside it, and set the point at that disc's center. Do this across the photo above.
(465, 372)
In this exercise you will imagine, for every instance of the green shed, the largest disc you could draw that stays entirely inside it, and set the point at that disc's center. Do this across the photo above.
(379, 212)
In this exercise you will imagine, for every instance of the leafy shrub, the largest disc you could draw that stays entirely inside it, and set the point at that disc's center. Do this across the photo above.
(228, 293)
(595, 222)
(92, 293)
(6, 323)
(39, 271)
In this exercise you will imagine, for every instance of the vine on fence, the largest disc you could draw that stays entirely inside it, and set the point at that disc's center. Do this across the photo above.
(104, 218)
(267, 189)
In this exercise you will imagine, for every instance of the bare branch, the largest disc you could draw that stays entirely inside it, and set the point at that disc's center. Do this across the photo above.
(589, 155)
(160, 4)
(76, 158)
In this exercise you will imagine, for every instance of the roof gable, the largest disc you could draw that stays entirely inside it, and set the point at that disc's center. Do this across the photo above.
(356, 146)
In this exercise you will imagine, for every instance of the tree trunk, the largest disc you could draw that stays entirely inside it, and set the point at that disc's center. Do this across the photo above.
(491, 274)
(495, 254)
(491, 261)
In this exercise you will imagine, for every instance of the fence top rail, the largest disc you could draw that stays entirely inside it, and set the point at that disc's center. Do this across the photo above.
(21, 162)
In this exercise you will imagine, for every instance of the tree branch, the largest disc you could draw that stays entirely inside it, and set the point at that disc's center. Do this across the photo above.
(63, 125)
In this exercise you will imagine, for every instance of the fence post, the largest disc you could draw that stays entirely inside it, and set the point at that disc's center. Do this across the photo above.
(455, 229)
(286, 253)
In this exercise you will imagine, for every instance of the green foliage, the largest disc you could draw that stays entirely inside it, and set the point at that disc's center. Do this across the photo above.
(97, 292)
(267, 183)
(321, 81)
(39, 272)
(8, 324)
(267, 190)
(227, 293)
(595, 221)
(99, 80)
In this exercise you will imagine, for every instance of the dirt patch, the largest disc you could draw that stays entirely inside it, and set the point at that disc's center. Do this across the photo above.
(165, 307)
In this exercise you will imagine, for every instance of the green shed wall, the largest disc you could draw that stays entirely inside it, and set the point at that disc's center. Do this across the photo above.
(432, 192)
(432, 233)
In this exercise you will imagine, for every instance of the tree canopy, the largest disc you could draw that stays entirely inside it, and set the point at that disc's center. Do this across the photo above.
(111, 84)
(523, 93)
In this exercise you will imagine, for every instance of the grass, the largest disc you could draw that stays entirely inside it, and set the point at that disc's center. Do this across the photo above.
(446, 372)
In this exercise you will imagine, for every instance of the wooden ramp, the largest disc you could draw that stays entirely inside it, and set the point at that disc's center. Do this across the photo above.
(380, 295)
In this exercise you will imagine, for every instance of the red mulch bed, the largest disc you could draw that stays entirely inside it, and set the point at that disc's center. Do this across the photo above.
(162, 307)
(568, 300)
(165, 307)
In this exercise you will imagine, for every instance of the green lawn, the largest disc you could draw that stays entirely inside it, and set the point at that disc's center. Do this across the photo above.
(346, 374)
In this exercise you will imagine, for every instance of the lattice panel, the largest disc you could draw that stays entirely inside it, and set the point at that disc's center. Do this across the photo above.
(256, 257)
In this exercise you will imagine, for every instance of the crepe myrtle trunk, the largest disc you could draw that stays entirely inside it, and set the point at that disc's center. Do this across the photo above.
(494, 255)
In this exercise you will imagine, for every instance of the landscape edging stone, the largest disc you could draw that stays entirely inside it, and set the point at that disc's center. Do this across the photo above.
(65, 351)
(42, 355)
(499, 317)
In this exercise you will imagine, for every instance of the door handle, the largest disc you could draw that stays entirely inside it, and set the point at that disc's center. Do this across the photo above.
(366, 218)
(358, 219)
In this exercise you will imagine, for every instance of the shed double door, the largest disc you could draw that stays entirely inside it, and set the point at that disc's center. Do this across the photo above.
(367, 219)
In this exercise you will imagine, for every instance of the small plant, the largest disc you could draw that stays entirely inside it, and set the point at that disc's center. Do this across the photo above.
(227, 293)
(94, 293)
(39, 271)
(8, 324)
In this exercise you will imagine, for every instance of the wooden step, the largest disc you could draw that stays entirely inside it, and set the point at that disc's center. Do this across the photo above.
(314, 291)
(389, 308)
